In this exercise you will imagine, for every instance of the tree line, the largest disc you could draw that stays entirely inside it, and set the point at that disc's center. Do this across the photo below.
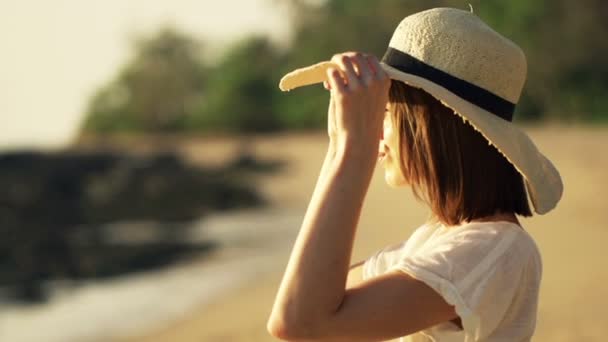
(169, 87)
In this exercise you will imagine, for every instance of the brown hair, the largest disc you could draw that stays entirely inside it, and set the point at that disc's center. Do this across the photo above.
(449, 164)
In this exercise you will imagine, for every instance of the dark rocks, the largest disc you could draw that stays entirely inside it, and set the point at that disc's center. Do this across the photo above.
(53, 207)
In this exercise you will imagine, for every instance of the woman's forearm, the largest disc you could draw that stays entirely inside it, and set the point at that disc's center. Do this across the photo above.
(329, 157)
(314, 282)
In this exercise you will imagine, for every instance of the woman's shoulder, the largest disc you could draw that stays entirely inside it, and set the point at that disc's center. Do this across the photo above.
(498, 237)
(488, 231)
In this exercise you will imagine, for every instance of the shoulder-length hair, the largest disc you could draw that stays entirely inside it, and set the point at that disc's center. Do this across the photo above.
(450, 165)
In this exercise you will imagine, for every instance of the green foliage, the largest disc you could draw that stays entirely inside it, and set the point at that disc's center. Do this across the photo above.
(243, 91)
(156, 91)
(563, 41)
(166, 87)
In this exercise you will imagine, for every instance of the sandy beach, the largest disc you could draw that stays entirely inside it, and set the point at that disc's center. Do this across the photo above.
(574, 299)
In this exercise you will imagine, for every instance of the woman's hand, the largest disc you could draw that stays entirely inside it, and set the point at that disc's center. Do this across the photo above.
(359, 93)
(331, 116)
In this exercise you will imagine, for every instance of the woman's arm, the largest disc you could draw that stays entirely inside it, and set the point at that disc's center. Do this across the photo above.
(313, 285)
(314, 282)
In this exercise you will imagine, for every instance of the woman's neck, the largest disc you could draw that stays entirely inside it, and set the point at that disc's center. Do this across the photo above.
(509, 217)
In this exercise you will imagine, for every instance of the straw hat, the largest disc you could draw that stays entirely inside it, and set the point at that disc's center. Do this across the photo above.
(470, 68)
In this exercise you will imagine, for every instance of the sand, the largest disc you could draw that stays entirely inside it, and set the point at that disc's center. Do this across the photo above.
(574, 298)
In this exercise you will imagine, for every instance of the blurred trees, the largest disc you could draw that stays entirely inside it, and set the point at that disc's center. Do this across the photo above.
(154, 92)
(566, 47)
(242, 90)
(162, 90)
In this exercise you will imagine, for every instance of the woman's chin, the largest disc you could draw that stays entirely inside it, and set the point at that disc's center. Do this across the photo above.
(394, 180)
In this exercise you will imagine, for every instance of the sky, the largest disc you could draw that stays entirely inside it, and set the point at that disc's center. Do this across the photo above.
(55, 54)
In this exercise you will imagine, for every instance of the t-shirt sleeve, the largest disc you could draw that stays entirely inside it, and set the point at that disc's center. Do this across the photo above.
(476, 271)
(381, 260)
(376, 261)
(387, 256)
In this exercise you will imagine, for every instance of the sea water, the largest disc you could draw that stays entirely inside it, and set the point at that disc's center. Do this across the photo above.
(252, 242)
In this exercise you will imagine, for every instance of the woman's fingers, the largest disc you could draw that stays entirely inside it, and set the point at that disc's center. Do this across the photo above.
(335, 80)
(365, 73)
(350, 75)
(358, 69)
(379, 72)
(326, 85)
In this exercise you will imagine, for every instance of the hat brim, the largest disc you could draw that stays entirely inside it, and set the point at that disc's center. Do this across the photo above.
(543, 181)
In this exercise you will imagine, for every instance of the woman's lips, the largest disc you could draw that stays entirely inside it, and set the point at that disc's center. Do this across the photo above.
(381, 156)
(382, 151)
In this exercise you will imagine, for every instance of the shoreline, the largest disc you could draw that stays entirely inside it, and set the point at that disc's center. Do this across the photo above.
(134, 304)
(222, 316)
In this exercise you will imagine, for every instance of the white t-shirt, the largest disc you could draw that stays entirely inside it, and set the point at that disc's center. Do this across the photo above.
(490, 272)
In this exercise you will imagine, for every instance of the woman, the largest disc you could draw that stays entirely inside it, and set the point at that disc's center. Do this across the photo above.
(437, 112)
